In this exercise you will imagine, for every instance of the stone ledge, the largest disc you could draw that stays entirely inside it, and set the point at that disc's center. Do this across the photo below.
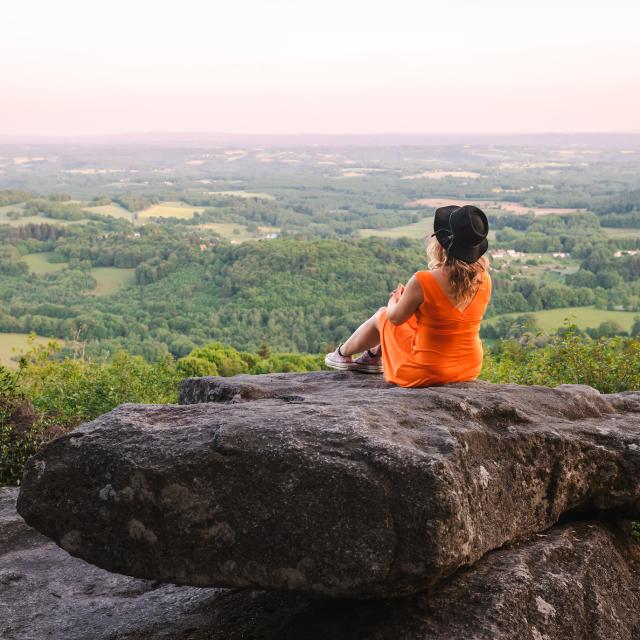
(354, 489)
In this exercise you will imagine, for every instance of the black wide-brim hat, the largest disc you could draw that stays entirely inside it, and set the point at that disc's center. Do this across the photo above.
(462, 231)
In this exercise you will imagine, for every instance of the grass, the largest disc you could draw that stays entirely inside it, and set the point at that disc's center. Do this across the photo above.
(39, 220)
(243, 194)
(14, 344)
(237, 232)
(552, 319)
(40, 265)
(113, 210)
(170, 210)
(32, 219)
(111, 279)
(621, 232)
(11, 207)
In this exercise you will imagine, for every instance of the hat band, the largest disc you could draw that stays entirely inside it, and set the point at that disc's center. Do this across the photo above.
(451, 238)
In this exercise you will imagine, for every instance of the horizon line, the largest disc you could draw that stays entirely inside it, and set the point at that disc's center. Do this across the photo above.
(312, 133)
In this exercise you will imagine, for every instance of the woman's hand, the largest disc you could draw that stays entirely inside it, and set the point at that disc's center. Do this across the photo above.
(404, 301)
(396, 294)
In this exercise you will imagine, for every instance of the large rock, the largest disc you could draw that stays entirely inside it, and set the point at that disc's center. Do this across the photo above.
(45, 593)
(331, 483)
(577, 581)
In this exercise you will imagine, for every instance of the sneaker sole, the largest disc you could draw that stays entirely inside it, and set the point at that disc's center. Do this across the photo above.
(370, 368)
(341, 366)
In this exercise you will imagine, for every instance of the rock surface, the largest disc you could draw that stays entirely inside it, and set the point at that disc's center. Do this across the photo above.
(578, 581)
(45, 593)
(331, 483)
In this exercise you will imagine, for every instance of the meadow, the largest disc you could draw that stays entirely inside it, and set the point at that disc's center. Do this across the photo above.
(622, 232)
(170, 209)
(12, 345)
(550, 320)
(39, 263)
(113, 210)
(110, 280)
(237, 232)
(242, 194)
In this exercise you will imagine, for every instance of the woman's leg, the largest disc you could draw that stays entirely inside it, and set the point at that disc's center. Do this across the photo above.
(366, 336)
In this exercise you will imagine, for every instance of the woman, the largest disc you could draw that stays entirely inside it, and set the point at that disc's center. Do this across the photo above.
(429, 333)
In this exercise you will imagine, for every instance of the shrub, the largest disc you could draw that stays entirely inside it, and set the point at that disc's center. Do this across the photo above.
(22, 431)
(608, 364)
(71, 391)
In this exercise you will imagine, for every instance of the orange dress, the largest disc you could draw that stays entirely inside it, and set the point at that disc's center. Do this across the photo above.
(439, 343)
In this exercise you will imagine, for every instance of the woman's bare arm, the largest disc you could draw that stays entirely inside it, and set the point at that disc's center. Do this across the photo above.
(406, 305)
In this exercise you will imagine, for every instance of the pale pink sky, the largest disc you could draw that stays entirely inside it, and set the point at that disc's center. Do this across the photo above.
(330, 66)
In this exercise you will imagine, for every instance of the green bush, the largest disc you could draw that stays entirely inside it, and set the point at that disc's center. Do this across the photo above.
(218, 359)
(194, 367)
(607, 364)
(72, 391)
(288, 362)
(22, 431)
(227, 361)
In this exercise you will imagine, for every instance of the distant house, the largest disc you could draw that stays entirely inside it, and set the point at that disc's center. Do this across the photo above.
(506, 253)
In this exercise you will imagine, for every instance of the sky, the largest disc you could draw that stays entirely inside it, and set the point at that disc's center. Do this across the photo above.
(74, 67)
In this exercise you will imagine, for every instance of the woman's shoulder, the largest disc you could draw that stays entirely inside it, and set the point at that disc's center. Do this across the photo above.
(423, 276)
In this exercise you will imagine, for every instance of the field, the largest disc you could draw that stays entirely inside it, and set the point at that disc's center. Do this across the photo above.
(433, 174)
(37, 220)
(242, 194)
(493, 206)
(415, 231)
(110, 279)
(13, 344)
(22, 221)
(170, 210)
(615, 232)
(237, 232)
(40, 265)
(10, 207)
(584, 317)
(113, 210)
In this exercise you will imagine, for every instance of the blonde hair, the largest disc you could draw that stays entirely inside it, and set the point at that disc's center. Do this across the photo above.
(464, 277)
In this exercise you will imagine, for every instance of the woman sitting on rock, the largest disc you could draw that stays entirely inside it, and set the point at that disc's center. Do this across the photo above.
(429, 333)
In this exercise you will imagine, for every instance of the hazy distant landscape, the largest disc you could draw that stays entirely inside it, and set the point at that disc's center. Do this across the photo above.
(159, 244)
